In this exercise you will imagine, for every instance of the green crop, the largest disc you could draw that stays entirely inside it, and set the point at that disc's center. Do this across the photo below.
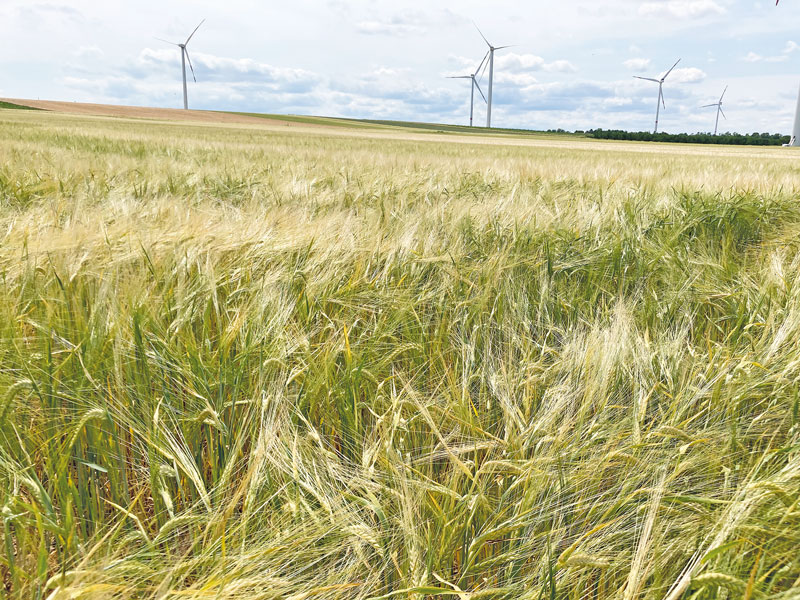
(257, 363)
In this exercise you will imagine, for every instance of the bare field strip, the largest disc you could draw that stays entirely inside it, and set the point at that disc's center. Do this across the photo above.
(244, 361)
(138, 112)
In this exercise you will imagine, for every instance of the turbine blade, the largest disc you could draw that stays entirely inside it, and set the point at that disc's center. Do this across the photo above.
(190, 64)
(504, 47)
(723, 113)
(709, 105)
(646, 78)
(485, 56)
(485, 66)
(480, 90)
(723, 94)
(460, 77)
(167, 42)
(195, 31)
(672, 69)
(661, 95)
(483, 36)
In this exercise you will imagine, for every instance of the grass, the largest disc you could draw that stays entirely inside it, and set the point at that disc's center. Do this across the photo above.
(424, 127)
(311, 120)
(12, 106)
(241, 362)
(476, 129)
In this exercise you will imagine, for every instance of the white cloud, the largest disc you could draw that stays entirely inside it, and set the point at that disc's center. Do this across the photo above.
(520, 62)
(688, 75)
(234, 70)
(791, 47)
(522, 80)
(684, 75)
(387, 72)
(560, 66)
(383, 28)
(92, 52)
(49, 10)
(531, 62)
(681, 9)
(637, 64)
(617, 102)
(397, 25)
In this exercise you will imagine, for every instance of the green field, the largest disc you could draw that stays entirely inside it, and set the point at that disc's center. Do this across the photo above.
(12, 106)
(425, 127)
(254, 362)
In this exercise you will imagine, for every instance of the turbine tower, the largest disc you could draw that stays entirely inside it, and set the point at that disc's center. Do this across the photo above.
(660, 83)
(184, 59)
(719, 109)
(473, 86)
(492, 50)
(795, 141)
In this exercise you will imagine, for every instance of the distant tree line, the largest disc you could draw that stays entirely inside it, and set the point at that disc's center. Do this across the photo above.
(736, 139)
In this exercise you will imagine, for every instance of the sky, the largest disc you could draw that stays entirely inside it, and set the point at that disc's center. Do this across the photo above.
(572, 65)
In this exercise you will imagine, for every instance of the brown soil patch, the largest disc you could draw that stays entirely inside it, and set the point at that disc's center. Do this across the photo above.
(140, 112)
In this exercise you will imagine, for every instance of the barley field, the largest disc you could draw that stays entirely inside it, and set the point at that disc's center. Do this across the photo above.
(243, 361)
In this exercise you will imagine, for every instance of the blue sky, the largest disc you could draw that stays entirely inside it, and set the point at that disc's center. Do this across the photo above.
(572, 68)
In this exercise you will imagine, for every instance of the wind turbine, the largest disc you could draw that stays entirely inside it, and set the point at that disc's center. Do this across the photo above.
(491, 52)
(660, 83)
(473, 86)
(795, 140)
(719, 109)
(184, 58)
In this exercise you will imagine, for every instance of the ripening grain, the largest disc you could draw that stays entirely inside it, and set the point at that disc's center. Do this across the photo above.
(243, 362)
